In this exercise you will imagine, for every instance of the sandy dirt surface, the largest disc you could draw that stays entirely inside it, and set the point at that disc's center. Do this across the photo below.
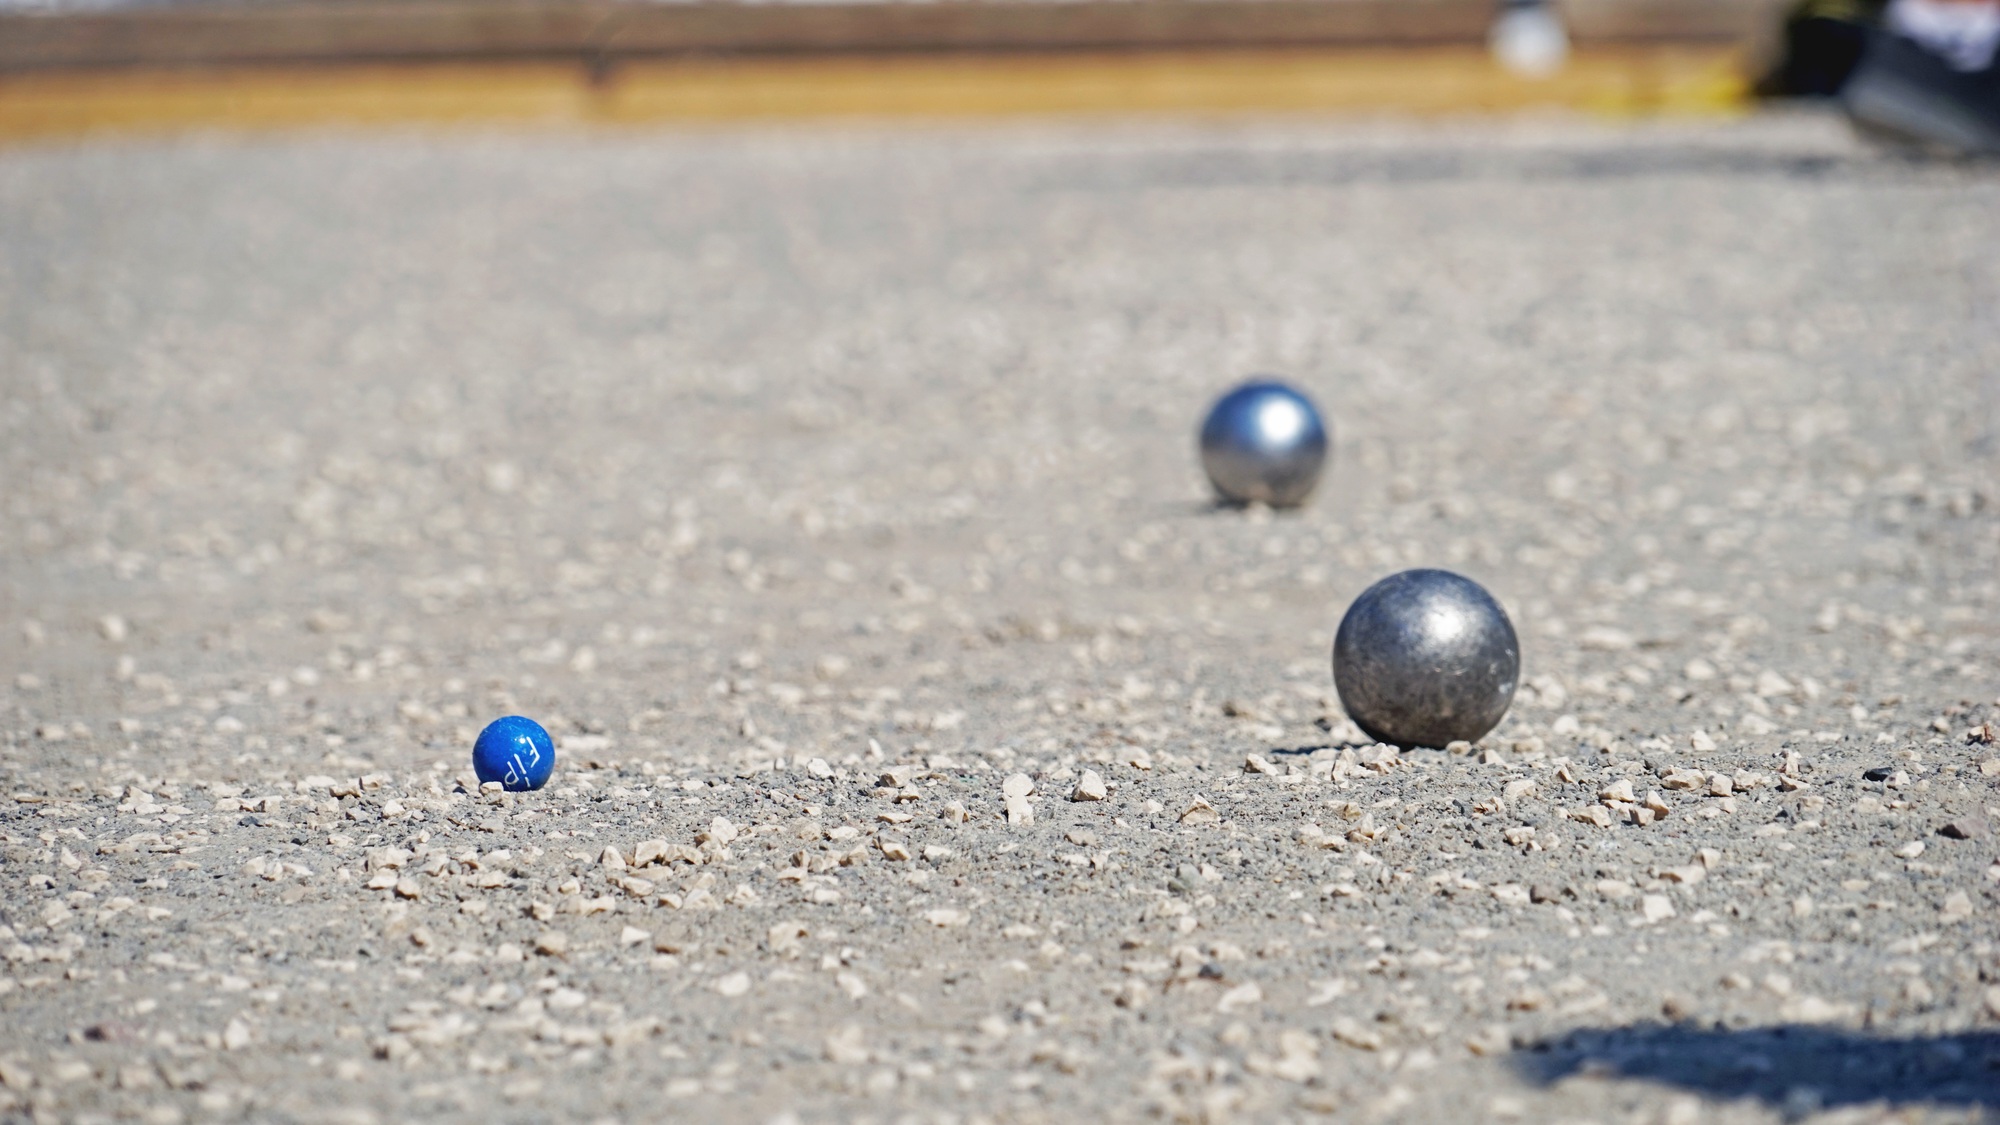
(810, 486)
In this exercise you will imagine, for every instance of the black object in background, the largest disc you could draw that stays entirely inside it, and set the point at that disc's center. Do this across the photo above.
(1823, 42)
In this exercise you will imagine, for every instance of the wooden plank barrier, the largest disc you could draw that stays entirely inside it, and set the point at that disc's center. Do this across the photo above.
(599, 32)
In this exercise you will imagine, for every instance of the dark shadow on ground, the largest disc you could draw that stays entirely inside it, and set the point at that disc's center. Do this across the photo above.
(1233, 167)
(1797, 1069)
(1221, 507)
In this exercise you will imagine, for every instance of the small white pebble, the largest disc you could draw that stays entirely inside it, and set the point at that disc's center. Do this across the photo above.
(1090, 787)
(1199, 811)
(1242, 996)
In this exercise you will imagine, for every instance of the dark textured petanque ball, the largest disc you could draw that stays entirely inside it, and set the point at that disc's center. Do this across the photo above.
(1263, 442)
(1426, 658)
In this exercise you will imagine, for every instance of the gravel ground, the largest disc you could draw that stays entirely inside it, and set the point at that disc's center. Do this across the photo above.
(810, 486)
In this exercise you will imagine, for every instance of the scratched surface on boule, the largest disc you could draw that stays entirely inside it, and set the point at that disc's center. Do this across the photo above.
(808, 486)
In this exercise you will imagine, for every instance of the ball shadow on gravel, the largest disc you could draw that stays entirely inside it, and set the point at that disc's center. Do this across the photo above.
(1797, 1069)
(1223, 506)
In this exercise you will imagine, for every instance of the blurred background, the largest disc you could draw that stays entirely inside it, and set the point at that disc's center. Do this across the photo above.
(83, 65)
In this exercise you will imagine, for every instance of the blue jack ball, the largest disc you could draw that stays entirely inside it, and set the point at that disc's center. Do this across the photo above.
(515, 752)
(1263, 442)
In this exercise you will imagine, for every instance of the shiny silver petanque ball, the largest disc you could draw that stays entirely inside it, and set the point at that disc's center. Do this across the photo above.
(1426, 658)
(1263, 441)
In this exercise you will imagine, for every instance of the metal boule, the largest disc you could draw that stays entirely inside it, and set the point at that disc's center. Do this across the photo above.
(1426, 658)
(1263, 442)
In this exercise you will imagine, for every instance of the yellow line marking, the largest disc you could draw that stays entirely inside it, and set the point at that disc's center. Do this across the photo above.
(1675, 80)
